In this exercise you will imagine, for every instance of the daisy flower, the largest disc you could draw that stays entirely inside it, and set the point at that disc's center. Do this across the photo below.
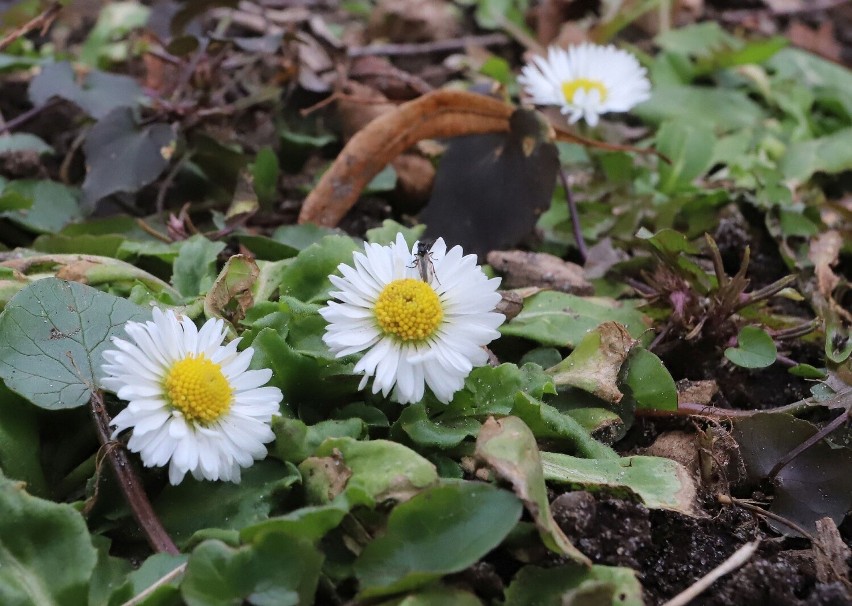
(421, 315)
(586, 81)
(193, 403)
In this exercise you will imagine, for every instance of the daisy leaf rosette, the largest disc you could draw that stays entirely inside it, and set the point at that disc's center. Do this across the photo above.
(586, 81)
(192, 402)
(421, 317)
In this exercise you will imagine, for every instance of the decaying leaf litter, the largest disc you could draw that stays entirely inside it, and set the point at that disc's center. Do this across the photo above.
(672, 383)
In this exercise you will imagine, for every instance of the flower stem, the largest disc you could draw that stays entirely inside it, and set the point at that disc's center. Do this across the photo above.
(131, 485)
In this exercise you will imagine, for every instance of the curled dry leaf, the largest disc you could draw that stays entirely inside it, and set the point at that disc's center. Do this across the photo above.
(520, 268)
(594, 364)
(413, 20)
(508, 447)
(824, 253)
(443, 113)
(358, 107)
(510, 305)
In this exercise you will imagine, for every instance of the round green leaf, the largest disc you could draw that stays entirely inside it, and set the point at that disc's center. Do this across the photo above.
(756, 349)
(46, 555)
(52, 337)
(278, 570)
(440, 531)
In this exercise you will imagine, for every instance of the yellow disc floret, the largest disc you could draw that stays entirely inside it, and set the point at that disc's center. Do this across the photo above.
(409, 310)
(196, 387)
(570, 88)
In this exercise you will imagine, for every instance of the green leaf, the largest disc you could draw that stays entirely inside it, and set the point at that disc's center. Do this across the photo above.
(193, 505)
(384, 181)
(20, 445)
(374, 471)
(755, 349)
(648, 381)
(195, 266)
(386, 234)
(307, 277)
(545, 421)
(311, 523)
(442, 530)
(23, 142)
(572, 584)
(509, 448)
(299, 237)
(828, 81)
(123, 155)
(700, 39)
(304, 378)
(689, 146)
(721, 109)
(98, 94)
(43, 206)
(491, 390)
(46, 554)
(660, 483)
(830, 154)
(110, 573)
(264, 172)
(52, 337)
(295, 441)
(562, 320)
(278, 570)
(415, 422)
(152, 570)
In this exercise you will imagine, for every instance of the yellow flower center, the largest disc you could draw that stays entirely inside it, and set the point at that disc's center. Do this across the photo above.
(197, 388)
(409, 309)
(569, 89)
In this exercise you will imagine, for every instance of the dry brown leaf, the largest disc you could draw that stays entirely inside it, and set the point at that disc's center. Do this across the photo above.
(413, 20)
(696, 392)
(821, 41)
(520, 268)
(443, 113)
(824, 253)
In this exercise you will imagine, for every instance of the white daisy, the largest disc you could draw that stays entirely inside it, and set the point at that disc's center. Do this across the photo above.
(416, 331)
(193, 403)
(586, 81)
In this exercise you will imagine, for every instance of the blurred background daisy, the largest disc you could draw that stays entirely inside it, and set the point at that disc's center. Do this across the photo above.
(586, 81)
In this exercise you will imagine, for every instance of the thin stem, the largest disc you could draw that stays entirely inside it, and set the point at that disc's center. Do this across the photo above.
(814, 439)
(129, 481)
(163, 580)
(729, 500)
(42, 22)
(425, 48)
(29, 114)
(736, 560)
(575, 216)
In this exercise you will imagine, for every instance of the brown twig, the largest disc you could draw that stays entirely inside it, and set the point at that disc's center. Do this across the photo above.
(29, 114)
(129, 481)
(725, 499)
(41, 21)
(426, 48)
(813, 440)
(737, 559)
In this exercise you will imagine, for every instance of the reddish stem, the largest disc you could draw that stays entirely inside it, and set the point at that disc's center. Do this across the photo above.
(129, 481)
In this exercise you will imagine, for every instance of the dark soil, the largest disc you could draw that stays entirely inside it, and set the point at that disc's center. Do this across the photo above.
(671, 551)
